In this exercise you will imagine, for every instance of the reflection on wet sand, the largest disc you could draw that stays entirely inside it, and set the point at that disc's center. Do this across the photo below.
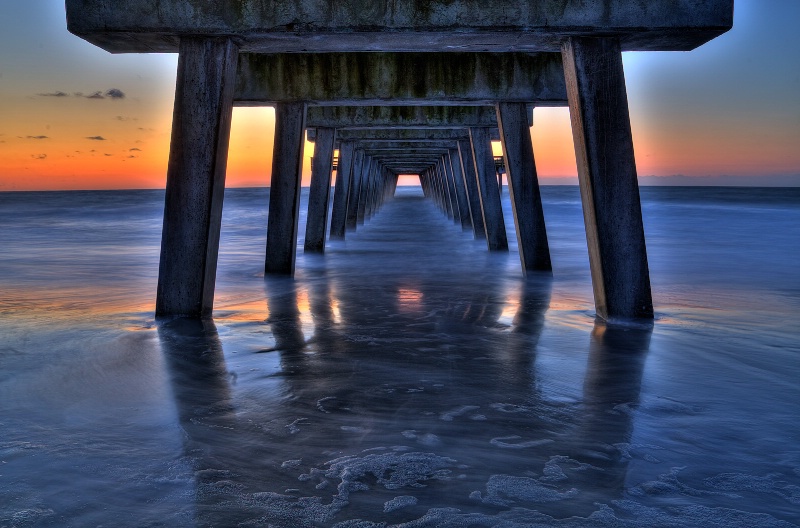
(408, 397)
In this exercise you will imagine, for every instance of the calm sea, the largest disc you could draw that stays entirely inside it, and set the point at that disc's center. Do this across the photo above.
(408, 378)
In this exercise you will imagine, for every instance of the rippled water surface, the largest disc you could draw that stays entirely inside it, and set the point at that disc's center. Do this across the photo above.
(407, 378)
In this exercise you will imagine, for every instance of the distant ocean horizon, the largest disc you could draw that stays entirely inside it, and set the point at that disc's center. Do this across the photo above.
(407, 378)
(674, 180)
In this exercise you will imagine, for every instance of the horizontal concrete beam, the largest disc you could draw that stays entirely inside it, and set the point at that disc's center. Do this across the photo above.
(379, 134)
(419, 117)
(407, 146)
(400, 79)
(276, 26)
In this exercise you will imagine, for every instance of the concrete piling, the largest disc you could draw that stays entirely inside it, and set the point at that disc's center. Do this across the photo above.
(284, 198)
(319, 192)
(489, 194)
(523, 184)
(196, 177)
(612, 213)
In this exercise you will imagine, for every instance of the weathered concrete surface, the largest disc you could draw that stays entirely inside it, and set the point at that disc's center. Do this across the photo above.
(523, 184)
(418, 117)
(407, 134)
(341, 191)
(471, 183)
(284, 196)
(461, 192)
(488, 191)
(397, 79)
(607, 177)
(355, 189)
(196, 177)
(144, 26)
(319, 192)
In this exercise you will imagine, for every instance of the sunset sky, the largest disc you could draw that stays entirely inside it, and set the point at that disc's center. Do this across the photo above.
(73, 116)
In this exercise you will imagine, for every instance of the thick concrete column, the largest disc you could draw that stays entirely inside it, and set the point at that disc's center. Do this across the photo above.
(341, 191)
(523, 184)
(363, 193)
(320, 190)
(447, 168)
(198, 157)
(355, 190)
(601, 129)
(284, 193)
(495, 226)
(454, 162)
(446, 192)
(471, 184)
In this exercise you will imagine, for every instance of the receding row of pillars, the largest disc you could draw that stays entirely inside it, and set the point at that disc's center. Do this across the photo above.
(604, 151)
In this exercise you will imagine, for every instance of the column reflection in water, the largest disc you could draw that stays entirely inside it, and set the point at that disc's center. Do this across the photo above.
(414, 393)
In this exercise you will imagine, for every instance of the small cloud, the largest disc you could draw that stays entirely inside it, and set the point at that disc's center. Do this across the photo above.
(38, 137)
(96, 138)
(108, 155)
(134, 149)
(125, 118)
(132, 157)
(115, 93)
(58, 93)
(95, 95)
(39, 156)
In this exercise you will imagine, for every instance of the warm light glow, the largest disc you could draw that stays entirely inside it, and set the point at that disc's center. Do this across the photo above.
(407, 180)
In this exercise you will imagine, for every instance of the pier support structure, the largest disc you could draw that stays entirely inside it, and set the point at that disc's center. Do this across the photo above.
(196, 177)
(320, 190)
(284, 194)
(523, 184)
(534, 52)
(612, 212)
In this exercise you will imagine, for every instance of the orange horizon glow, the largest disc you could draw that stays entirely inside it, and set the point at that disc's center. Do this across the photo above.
(65, 152)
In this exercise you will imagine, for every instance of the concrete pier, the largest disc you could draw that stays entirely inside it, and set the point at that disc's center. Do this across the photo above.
(523, 184)
(196, 177)
(612, 213)
(344, 178)
(511, 54)
(284, 197)
(319, 193)
(488, 191)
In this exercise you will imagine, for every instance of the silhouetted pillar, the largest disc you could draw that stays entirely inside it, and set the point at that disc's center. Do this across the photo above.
(495, 226)
(454, 161)
(320, 190)
(198, 157)
(471, 184)
(523, 184)
(447, 169)
(363, 194)
(284, 197)
(612, 212)
(341, 191)
(355, 190)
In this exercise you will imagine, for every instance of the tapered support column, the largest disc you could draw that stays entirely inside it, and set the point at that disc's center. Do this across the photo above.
(320, 190)
(355, 190)
(523, 184)
(495, 226)
(342, 190)
(284, 197)
(366, 177)
(461, 193)
(601, 129)
(471, 185)
(452, 190)
(198, 156)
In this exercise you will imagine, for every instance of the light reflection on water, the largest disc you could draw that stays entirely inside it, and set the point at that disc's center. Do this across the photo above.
(408, 378)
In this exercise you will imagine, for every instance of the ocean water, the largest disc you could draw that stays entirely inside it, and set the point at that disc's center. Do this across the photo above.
(408, 378)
